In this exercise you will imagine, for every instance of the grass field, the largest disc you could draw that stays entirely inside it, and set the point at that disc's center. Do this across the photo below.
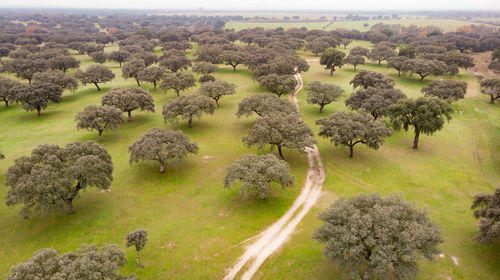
(446, 24)
(195, 225)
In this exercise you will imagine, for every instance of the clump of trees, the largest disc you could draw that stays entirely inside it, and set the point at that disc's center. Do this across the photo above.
(264, 104)
(372, 237)
(323, 94)
(487, 210)
(51, 177)
(491, 87)
(129, 99)
(100, 118)
(281, 131)
(95, 74)
(217, 89)
(84, 263)
(353, 128)
(138, 239)
(56, 77)
(449, 90)
(257, 173)
(187, 107)
(426, 114)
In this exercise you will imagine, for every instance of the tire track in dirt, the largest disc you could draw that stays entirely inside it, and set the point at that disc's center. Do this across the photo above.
(271, 239)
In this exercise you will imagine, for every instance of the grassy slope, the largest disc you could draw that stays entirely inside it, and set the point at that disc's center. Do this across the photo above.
(446, 24)
(442, 176)
(186, 208)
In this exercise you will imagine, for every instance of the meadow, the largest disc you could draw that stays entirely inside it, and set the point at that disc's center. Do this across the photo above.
(196, 226)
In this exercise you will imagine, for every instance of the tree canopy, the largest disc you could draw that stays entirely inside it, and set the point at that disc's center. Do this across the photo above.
(95, 74)
(8, 90)
(129, 99)
(323, 94)
(52, 177)
(373, 237)
(381, 51)
(450, 90)
(151, 74)
(177, 81)
(425, 114)
(280, 130)
(36, 96)
(354, 60)
(257, 173)
(487, 210)
(88, 262)
(186, 107)
(491, 87)
(424, 67)
(100, 118)
(332, 58)
(352, 128)
(132, 68)
(366, 79)
(375, 101)
(56, 77)
(233, 58)
(138, 239)
(397, 63)
(217, 89)
(165, 146)
(264, 104)
(278, 84)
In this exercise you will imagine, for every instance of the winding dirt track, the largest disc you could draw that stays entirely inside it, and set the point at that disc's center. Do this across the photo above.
(268, 241)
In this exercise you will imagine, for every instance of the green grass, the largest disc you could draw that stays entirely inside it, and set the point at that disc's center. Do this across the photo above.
(446, 24)
(188, 209)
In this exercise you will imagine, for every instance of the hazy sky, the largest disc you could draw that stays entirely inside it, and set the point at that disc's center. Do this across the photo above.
(262, 4)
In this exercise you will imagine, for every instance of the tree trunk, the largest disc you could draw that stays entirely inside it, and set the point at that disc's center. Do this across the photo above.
(321, 108)
(100, 133)
(29, 82)
(351, 151)
(234, 67)
(6, 103)
(97, 86)
(366, 275)
(137, 259)
(129, 115)
(332, 70)
(354, 67)
(399, 73)
(176, 91)
(69, 206)
(280, 152)
(154, 85)
(120, 64)
(190, 122)
(217, 102)
(379, 61)
(422, 78)
(492, 99)
(162, 167)
(415, 140)
(138, 84)
(39, 111)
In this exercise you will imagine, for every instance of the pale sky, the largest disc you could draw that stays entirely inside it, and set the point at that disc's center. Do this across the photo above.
(261, 4)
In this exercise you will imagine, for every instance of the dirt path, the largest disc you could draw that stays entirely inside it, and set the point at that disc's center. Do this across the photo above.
(277, 234)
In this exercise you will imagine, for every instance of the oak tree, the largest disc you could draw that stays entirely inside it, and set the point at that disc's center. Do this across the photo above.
(217, 89)
(257, 173)
(278, 84)
(187, 107)
(366, 79)
(449, 90)
(165, 146)
(129, 99)
(375, 101)
(332, 58)
(264, 104)
(352, 128)
(491, 87)
(487, 210)
(323, 94)
(177, 81)
(138, 239)
(95, 74)
(100, 118)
